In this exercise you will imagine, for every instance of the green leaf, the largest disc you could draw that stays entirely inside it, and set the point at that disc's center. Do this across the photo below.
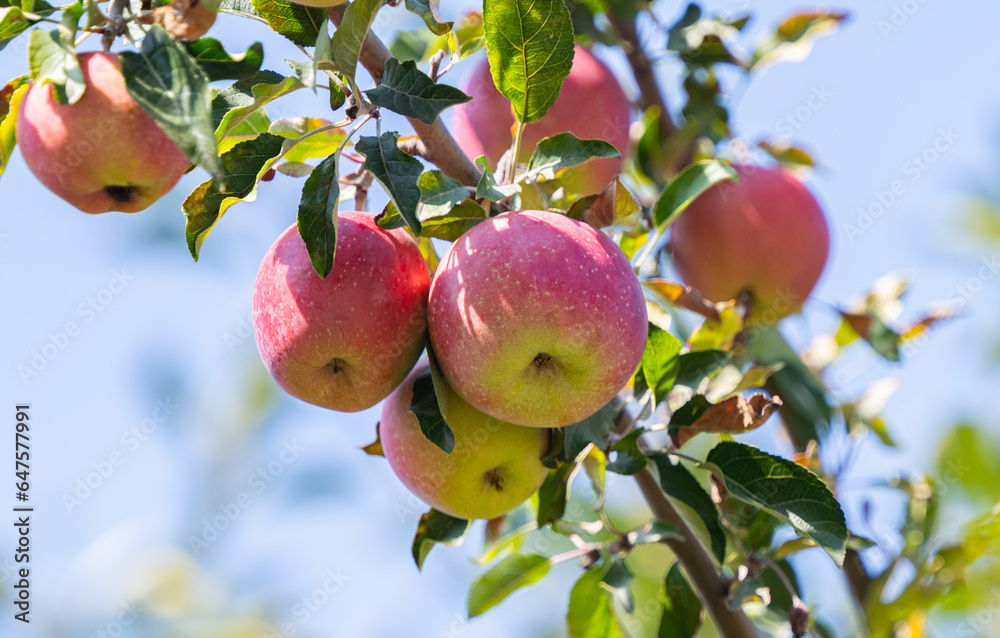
(593, 429)
(235, 104)
(678, 483)
(530, 46)
(629, 459)
(248, 129)
(693, 367)
(795, 37)
(439, 194)
(805, 411)
(350, 35)
(337, 96)
(564, 150)
(428, 10)
(425, 407)
(553, 493)
(317, 218)
(503, 579)
(407, 90)
(321, 144)
(397, 172)
(681, 607)
(52, 60)
(607, 208)
(687, 186)
(590, 614)
(488, 187)
(788, 155)
(220, 65)
(437, 527)
(690, 411)
(242, 8)
(10, 104)
(872, 329)
(169, 85)
(660, 362)
(618, 581)
(701, 42)
(453, 224)
(785, 489)
(412, 45)
(298, 23)
(322, 52)
(14, 22)
(966, 458)
(244, 165)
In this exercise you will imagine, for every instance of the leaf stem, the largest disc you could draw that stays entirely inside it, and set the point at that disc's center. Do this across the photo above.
(515, 150)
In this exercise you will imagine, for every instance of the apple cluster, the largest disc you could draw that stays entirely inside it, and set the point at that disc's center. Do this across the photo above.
(536, 321)
(532, 320)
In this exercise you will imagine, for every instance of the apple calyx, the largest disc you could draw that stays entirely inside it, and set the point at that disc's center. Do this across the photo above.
(494, 478)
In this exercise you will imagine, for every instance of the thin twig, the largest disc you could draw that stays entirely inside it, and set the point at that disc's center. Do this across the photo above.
(642, 68)
(712, 587)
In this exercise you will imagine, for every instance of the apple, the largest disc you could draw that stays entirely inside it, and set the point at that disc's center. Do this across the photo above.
(592, 105)
(494, 467)
(765, 234)
(346, 341)
(536, 319)
(103, 153)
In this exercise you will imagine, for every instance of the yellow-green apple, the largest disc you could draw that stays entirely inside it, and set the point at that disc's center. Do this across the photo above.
(104, 152)
(592, 105)
(346, 341)
(764, 234)
(494, 467)
(536, 318)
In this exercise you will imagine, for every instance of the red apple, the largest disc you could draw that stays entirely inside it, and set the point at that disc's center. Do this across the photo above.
(592, 105)
(494, 467)
(537, 319)
(344, 342)
(103, 153)
(765, 234)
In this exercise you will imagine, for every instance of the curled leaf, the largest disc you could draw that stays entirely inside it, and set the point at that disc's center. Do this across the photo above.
(735, 415)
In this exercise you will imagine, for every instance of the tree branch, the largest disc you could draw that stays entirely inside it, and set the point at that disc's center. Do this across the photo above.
(712, 588)
(642, 68)
(439, 146)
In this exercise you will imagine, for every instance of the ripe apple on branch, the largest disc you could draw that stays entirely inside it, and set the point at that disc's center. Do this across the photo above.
(553, 342)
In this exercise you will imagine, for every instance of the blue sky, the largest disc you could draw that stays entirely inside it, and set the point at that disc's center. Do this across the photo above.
(169, 340)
